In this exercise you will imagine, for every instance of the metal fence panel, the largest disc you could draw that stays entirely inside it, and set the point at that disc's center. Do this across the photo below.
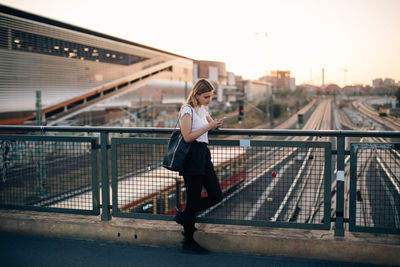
(256, 177)
(49, 173)
(375, 187)
(140, 185)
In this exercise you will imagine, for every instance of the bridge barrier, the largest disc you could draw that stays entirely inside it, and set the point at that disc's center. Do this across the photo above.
(265, 183)
(374, 187)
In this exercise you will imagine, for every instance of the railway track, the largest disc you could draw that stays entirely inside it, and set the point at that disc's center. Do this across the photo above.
(370, 182)
(389, 122)
(378, 186)
(277, 192)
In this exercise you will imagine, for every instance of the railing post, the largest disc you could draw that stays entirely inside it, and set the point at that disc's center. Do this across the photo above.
(339, 229)
(105, 183)
(178, 195)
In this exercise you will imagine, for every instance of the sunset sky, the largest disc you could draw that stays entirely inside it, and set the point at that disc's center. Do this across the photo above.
(252, 37)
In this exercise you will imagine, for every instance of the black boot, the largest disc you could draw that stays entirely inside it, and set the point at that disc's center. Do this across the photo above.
(189, 245)
(179, 218)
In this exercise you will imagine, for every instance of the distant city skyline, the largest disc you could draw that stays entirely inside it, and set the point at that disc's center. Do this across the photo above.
(252, 37)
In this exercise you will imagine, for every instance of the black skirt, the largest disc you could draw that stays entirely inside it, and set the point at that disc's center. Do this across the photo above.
(198, 160)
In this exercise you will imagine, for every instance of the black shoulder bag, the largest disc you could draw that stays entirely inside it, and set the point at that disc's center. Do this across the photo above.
(174, 158)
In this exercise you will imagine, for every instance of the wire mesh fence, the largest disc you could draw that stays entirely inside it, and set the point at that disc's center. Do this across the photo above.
(139, 183)
(375, 205)
(267, 182)
(40, 172)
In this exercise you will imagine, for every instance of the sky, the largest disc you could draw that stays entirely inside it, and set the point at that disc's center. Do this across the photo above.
(355, 41)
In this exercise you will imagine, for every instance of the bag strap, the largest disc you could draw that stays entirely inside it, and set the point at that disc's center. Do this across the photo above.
(191, 108)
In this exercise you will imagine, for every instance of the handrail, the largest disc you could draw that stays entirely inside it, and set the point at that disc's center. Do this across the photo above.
(157, 130)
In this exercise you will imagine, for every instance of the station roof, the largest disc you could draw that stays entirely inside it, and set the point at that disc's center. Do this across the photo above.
(30, 16)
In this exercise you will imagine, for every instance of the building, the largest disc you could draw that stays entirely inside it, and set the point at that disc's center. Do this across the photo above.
(230, 88)
(353, 89)
(255, 90)
(311, 89)
(280, 79)
(214, 71)
(76, 69)
(79, 72)
(292, 83)
(377, 82)
(389, 82)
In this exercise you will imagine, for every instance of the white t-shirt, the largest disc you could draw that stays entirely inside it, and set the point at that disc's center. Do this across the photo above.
(199, 120)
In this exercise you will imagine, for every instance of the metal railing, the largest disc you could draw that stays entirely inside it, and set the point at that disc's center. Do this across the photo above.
(46, 173)
(264, 182)
(374, 187)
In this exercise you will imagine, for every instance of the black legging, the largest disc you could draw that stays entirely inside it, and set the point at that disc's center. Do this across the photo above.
(194, 202)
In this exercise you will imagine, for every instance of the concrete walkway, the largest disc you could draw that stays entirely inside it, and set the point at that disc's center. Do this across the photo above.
(27, 250)
(288, 244)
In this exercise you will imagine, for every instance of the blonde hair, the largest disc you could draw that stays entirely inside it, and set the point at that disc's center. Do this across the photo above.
(200, 87)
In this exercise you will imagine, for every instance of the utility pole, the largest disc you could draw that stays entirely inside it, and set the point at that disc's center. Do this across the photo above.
(268, 104)
(38, 152)
(38, 108)
(266, 101)
(153, 110)
(271, 114)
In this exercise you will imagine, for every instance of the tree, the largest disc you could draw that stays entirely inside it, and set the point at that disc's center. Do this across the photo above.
(283, 92)
(277, 110)
(398, 95)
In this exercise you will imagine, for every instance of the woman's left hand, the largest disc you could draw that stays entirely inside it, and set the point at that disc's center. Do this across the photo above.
(217, 123)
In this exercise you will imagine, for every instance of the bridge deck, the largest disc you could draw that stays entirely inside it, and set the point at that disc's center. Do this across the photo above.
(291, 243)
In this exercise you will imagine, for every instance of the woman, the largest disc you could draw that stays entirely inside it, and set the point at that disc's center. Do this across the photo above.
(198, 171)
